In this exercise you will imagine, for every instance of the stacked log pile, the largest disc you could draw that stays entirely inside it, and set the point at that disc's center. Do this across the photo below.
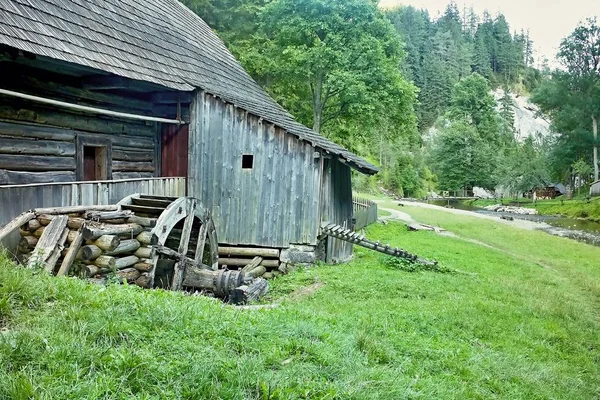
(238, 257)
(123, 242)
(90, 242)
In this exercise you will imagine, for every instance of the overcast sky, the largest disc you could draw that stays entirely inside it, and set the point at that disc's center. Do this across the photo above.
(548, 21)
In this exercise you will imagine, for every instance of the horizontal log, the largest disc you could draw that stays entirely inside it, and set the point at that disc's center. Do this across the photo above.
(129, 274)
(105, 262)
(75, 223)
(146, 238)
(90, 252)
(94, 230)
(256, 272)
(48, 116)
(23, 178)
(143, 221)
(248, 252)
(125, 247)
(143, 266)
(33, 225)
(132, 154)
(74, 209)
(21, 162)
(129, 166)
(132, 175)
(21, 220)
(107, 242)
(249, 293)
(253, 264)
(143, 280)
(90, 270)
(144, 252)
(107, 215)
(241, 262)
(36, 147)
(125, 262)
(39, 232)
(28, 242)
(42, 132)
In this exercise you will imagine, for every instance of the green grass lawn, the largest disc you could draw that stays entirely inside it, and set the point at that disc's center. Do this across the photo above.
(521, 321)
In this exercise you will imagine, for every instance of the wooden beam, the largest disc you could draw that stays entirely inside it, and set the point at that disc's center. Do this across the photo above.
(104, 82)
(172, 97)
(16, 223)
(22, 162)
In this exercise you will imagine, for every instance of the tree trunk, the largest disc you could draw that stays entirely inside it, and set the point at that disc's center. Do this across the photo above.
(318, 102)
(595, 130)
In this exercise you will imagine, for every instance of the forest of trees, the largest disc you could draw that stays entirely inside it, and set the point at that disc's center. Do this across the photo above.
(412, 93)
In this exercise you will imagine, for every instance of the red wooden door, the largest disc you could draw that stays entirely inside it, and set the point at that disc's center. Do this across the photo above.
(174, 150)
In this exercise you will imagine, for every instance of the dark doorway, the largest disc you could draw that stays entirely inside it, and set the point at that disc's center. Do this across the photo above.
(174, 150)
(94, 163)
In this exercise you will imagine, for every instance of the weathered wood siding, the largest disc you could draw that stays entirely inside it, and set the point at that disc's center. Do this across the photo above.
(276, 202)
(39, 143)
(365, 212)
(18, 198)
(336, 206)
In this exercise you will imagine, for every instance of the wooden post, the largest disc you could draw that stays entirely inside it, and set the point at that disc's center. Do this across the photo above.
(71, 254)
(49, 241)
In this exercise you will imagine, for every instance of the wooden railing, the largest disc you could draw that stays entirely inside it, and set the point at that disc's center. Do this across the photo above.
(14, 199)
(365, 212)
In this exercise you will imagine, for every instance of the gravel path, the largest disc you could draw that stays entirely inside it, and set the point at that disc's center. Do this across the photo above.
(518, 223)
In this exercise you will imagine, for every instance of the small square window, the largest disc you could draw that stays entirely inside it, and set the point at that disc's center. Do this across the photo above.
(247, 161)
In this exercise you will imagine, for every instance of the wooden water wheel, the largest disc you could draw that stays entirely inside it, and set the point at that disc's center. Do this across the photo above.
(184, 236)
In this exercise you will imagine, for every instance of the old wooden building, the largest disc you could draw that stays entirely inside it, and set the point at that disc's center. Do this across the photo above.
(104, 98)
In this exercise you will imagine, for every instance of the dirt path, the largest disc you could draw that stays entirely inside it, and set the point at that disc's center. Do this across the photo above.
(518, 223)
(404, 217)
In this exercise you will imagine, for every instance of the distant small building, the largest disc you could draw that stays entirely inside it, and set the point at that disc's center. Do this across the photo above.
(595, 189)
(551, 191)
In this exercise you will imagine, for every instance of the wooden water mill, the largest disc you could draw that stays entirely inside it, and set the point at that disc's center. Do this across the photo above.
(152, 241)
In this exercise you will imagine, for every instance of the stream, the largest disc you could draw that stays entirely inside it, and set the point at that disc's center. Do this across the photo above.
(577, 229)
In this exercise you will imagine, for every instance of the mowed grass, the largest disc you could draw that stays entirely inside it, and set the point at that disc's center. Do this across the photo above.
(518, 322)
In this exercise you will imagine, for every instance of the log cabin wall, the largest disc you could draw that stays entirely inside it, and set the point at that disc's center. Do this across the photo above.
(261, 183)
(40, 143)
(336, 207)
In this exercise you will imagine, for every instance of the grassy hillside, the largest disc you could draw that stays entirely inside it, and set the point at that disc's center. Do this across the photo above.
(518, 319)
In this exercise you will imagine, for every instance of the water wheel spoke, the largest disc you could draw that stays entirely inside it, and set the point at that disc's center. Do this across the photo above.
(183, 245)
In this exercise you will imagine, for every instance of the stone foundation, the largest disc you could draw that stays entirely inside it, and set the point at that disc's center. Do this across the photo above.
(298, 254)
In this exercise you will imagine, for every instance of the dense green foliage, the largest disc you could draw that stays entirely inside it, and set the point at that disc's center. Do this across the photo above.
(377, 81)
(571, 98)
(518, 321)
(441, 52)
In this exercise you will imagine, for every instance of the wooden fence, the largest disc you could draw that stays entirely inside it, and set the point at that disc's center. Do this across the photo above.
(365, 212)
(14, 199)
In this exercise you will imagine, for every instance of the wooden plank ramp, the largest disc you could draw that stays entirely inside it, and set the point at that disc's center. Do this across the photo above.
(350, 236)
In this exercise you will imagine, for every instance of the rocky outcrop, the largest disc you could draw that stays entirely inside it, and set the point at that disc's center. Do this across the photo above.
(510, 209)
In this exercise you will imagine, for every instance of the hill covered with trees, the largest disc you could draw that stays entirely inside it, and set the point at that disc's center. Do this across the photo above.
(376, 81)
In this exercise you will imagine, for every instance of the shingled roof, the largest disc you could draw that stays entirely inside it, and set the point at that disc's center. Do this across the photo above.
(157, 41)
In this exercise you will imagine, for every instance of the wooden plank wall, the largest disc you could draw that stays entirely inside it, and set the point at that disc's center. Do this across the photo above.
(38, 142)
(275, 203)
(336, 206)
(16, 199)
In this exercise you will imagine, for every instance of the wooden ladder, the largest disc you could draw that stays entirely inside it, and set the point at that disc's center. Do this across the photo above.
(345, 234)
